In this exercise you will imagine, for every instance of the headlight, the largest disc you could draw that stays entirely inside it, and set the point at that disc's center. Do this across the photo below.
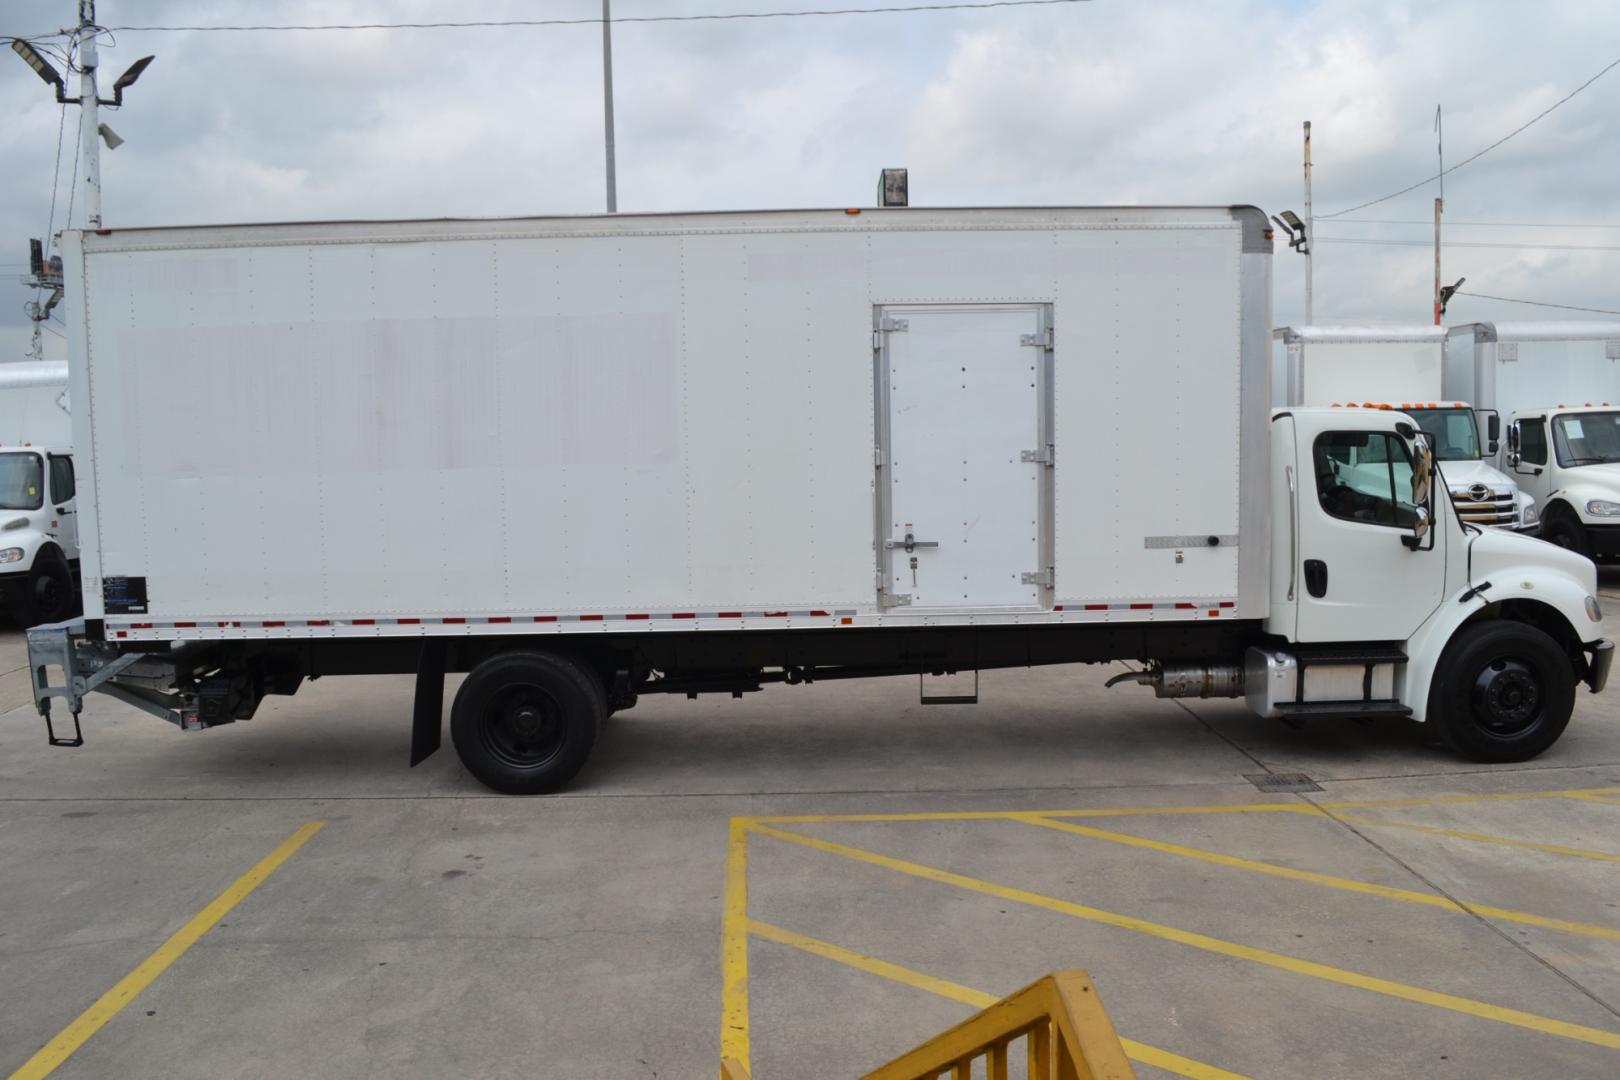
(1531, 516)
(1593, 611)
(1603, 508)
(11, 555)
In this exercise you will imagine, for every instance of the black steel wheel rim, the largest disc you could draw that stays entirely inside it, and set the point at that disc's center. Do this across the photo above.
(1509, 698)
(522, 726)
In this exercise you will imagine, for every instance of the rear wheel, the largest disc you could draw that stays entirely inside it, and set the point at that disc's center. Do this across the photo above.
(523, 723)
(1503, 691)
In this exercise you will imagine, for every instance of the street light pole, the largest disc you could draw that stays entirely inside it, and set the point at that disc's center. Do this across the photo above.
(607, 107)
(89, 126)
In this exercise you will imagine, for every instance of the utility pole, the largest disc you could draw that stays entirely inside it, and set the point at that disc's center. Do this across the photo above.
(607, 106)
(1310, 230)
(1439, 208)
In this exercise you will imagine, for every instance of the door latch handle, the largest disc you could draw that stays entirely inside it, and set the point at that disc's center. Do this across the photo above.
(910, 543)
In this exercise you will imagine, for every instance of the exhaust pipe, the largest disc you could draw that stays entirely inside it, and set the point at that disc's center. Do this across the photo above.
(1187, 680)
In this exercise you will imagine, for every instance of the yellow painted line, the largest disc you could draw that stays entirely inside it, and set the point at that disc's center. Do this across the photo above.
(1387, 892)
(734, 949)
(124, 991)
(1281, 961)
(1589, 797)
(1135, 811)
(1147, 1055)
(1485, 838)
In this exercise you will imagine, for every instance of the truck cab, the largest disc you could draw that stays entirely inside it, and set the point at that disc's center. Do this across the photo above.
(1568, 458)
(39, 534)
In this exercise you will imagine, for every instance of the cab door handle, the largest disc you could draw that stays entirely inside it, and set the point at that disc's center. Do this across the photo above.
(1316, 577)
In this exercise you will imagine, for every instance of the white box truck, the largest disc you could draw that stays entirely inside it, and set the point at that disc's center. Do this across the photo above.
(1558, 385)
(39, 536)
(1400, 367)
(586, 459)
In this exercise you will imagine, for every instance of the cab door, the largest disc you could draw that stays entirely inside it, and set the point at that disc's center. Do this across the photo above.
(62, 489)
(1355, 578)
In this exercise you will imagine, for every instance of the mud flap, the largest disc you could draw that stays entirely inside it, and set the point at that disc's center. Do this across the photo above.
(427, 716)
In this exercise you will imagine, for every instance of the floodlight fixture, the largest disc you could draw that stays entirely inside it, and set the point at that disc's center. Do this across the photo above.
(114, 140)
(1294, 223)
(42, 67)
(128, 79)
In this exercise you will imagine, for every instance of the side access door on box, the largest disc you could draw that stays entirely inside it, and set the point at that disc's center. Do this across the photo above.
(964, 456)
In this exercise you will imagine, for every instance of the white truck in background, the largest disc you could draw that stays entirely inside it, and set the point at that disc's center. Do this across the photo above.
(707, 452)
(1558, 386)
(39, 536)
(1401, 367)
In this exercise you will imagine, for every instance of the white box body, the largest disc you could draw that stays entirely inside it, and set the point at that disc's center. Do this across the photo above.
(667, 422)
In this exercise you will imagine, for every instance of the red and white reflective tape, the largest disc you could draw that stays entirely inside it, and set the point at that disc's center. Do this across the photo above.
(471, 620)
(1214, 607)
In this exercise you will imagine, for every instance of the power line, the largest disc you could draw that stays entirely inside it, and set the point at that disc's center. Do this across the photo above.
(1484, 224)
(1465, 244)
(56, 175)
(717, 17)
(1413, 187)
(1536, 303)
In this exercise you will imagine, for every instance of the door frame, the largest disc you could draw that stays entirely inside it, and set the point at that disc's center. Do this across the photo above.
(884, 319)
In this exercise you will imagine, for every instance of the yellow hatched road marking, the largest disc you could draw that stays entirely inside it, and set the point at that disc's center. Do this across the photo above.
(734, 949)
(1137, 811)
(1484, 838)
(1387, 892)
(1281, 961)
(70, 1038)
(1147, 1055)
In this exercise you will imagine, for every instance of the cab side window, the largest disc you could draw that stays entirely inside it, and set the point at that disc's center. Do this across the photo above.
(1365, 476)
(62, 483)
(1533, 442)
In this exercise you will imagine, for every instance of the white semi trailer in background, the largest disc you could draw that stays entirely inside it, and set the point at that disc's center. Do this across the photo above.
(1401, 367)
(585, 459)
(39, 536)
(1558, 385)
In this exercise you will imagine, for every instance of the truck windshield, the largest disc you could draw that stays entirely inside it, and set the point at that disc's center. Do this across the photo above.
(1587, 438)
(22, 481)
(1454, 432)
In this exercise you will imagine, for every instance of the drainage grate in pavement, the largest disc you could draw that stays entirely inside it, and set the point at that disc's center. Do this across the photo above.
(1282, 782)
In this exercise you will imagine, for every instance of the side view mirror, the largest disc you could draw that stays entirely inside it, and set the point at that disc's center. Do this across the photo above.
(1493, 426)
(1422, 490)
(1513, 438)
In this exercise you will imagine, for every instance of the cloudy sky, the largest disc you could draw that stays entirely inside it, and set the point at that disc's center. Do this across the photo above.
(1103, 102)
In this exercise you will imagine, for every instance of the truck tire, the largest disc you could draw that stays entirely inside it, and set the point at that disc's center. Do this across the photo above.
(523, 723)
(1503, 692)
(51, 596)
(1565, 531)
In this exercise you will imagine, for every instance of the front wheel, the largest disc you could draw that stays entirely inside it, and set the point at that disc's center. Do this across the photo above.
(1567, 533)
(51, 597)
(1503, 692)
(523, 723)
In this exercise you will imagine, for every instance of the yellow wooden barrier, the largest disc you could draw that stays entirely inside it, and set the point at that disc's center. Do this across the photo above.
(1067, 1036)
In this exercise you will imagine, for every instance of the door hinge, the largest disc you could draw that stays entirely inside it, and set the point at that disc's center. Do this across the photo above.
(877, 457)
(1045, 457)
(1043, 578)
(1045, 339)
(888, 600)
(886, 325)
